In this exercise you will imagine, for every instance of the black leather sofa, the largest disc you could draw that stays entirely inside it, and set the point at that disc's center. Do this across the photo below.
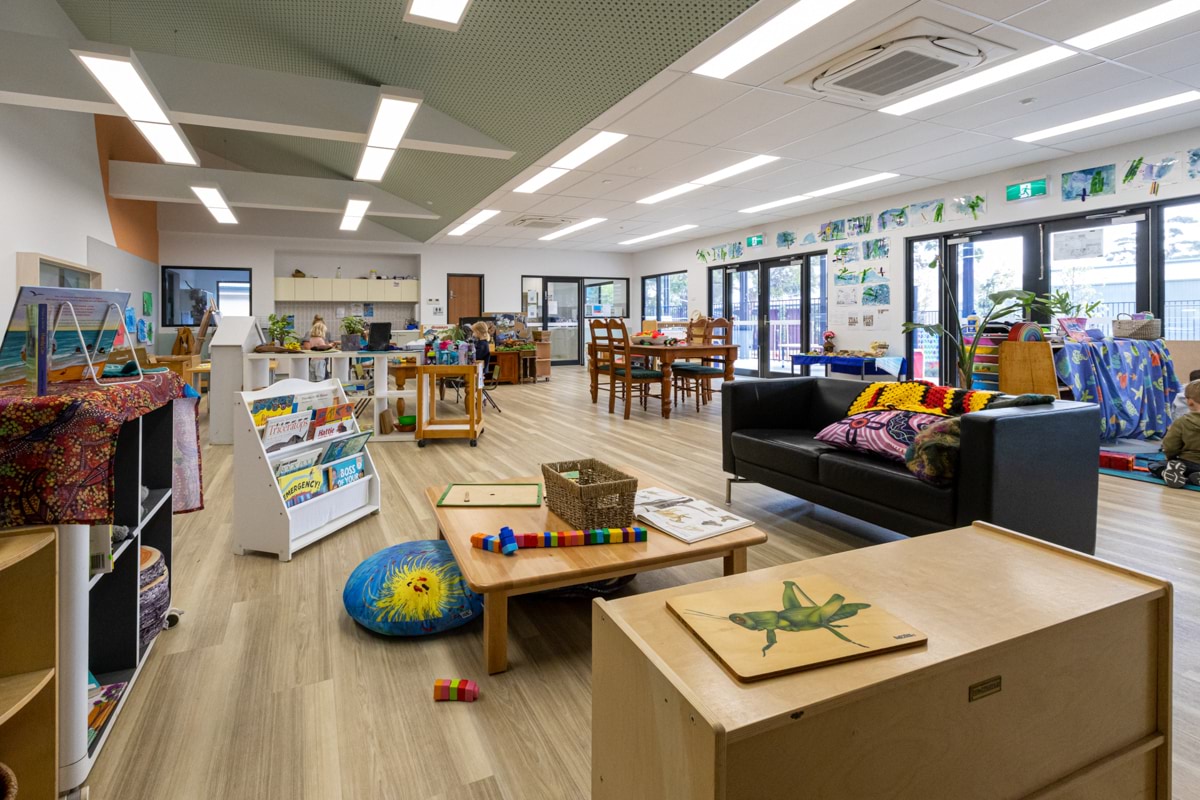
(1032, 469)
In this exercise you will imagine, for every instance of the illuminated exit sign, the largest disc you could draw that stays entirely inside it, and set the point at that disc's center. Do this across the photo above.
(1026, 190)
(754, 241)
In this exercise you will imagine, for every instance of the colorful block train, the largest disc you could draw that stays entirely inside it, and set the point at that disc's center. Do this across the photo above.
(458, 689)
(517, 541)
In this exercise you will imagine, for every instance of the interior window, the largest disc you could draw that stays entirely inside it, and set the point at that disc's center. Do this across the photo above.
(188, 291)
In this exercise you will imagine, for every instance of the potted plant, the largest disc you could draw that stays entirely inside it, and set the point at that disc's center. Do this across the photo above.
(1003, 304)
(1061, 304)
(279, 328)
(353, 329)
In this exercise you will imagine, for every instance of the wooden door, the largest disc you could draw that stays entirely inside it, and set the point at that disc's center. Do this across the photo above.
(465, 297)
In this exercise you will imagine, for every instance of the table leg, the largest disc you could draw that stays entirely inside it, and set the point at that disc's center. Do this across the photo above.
(495, 631)
(666, 388)
(735, 562)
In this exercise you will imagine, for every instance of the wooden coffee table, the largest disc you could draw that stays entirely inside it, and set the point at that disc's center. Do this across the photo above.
(498, 577)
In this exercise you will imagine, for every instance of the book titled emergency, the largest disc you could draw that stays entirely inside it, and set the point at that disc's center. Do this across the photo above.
(345, 471)
(302, 485)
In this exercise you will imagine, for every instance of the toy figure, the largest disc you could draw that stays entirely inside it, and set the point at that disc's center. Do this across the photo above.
(829, 346)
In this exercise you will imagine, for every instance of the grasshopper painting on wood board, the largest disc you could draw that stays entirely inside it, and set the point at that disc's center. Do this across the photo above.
(796, 616)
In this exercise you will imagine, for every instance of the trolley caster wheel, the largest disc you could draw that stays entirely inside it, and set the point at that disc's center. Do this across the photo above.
(474, 442)
(173, 617)
(420, 443)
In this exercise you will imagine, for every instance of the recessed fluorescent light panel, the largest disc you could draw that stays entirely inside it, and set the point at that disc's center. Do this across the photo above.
(122, 78)
(776, 31)
(473, 222)
(577, 157)
(393, 114)
(355, 211)
(567, 231)
(660, 234)
(212, 198)
(541, 179)
(1111, 116)
(710, 178)
(841, 187)
(787, 201)
(444, 14)
(1106, 34)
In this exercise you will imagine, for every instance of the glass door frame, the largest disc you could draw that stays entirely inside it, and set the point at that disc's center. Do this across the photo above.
(1149, 285)
(545, 307)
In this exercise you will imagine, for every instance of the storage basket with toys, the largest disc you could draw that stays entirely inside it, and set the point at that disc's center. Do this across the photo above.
(589, 494)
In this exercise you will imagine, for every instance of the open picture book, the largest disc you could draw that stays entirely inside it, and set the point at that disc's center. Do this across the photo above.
(686, 518)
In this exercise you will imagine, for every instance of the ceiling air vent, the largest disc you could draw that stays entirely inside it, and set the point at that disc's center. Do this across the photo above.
(540, 223)
(908, 60)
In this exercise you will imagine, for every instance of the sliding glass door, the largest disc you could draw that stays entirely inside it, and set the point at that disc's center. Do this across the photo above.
(1180, 285)
(553, 304)
(1097, 261)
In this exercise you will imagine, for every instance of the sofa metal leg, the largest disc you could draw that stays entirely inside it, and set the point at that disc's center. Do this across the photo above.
(729, 482)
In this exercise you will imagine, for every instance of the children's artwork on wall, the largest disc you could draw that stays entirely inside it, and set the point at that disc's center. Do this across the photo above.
(785, 239)
(858, 226)
(130, 318)
(875, 249)
(1193, 164)
(893, 218)
(147, 303)
(852, 321)
(1143, 172)
(721, 252)
(141, 332)
(877, 295)
(834, 230)
(926, 212)
(1091, 182)
(967, 206)
(149, 331)
(856, 277)
(847, 295)
(845, 254)
(809, 238)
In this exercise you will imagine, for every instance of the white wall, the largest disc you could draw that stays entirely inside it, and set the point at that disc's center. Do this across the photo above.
(501, 267)
(353, 265)
(677, 257)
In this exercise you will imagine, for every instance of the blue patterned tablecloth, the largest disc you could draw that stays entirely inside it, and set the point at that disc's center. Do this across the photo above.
(1133, 381)
(890, 365)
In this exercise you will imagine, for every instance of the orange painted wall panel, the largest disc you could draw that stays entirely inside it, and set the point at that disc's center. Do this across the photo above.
(134, 222)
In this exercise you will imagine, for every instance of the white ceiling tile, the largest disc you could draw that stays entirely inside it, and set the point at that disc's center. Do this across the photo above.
(1189, 76)
(557, 185)
(795, 178)
(622, 149)
(653, 157)
(1167, 56)
(1171, 34)
(996, 9)
(511, 201)
(919, 133)
(600, 208)
(635, 98)
(899, 161)
(1063, 19)
(808, 120)
(558, 204)
(635, 191)
(753, 109)
(1006, 163)
(1133, 130)
(937, 165)
(826, 139)
(598, 184)
(709, 161)
(684, 100)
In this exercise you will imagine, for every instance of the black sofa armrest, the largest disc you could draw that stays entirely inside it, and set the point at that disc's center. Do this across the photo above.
(1034, 470)
(757, 403)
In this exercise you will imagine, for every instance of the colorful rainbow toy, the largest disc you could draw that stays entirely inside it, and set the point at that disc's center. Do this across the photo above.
(458, 689)
(508, 541)
(495, 544)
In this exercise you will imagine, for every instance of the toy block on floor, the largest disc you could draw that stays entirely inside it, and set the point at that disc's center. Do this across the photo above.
(1123, 462)
(461, 689)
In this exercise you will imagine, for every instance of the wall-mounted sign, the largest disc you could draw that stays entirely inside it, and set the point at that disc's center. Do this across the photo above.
(1026, 190)
(755, 241)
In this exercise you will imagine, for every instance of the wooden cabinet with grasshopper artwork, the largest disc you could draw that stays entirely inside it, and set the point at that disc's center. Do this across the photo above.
(1046, 674)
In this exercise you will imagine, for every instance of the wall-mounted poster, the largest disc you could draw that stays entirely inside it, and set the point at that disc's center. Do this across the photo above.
(845, 276)
(1142, 172)
(845, 254)
(785, 239)
(875, 249)
(878, 295)
(147, 304)
(925, 212)
(893, 218)
(847, 295)
(833, 231)
(1091, 182)
(858, 226)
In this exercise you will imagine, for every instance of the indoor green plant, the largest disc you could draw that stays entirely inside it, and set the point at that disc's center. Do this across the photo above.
(1061, 305)
(353, 329)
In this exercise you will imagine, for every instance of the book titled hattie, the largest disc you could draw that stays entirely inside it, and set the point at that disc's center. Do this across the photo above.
(331, 421)
(686, 518)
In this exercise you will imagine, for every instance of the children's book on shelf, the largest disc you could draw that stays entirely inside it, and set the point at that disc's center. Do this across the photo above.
(268, 407)
(302, 485)
(298, 461)
(286, 430)
(103, 705)
(685, 518)
(344, 472)
(345, 447)
(330, 421)
(311, 401)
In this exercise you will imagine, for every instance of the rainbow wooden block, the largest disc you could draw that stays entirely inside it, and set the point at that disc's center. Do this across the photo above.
(508, 541)
(485, 542)
(495, 544)
(459, 689)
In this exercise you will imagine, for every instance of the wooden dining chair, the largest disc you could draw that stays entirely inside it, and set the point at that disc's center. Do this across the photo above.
(698, 376)
(599, 362)
(624, 377)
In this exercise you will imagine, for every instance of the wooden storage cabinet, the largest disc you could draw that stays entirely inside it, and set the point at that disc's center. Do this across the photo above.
(543, 360)
(1081, 651)
(285, 289)
(321, 290)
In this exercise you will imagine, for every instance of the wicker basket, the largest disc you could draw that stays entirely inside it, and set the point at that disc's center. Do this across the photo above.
(1137, 328)
(601, 497)
(8, 783)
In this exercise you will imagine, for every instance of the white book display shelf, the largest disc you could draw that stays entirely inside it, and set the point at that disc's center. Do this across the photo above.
(263, 522)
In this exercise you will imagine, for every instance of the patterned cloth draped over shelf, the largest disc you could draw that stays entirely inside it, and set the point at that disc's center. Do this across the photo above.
(1133, 381)
(57, 451)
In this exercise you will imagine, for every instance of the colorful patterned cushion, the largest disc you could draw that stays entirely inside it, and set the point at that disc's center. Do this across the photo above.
(883, 433)
(933, 456)
(410, 589)
(920, 396)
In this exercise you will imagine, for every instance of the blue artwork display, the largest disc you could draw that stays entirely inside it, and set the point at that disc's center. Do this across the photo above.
(1090, 182)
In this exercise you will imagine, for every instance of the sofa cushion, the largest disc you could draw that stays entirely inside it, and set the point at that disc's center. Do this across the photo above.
(793, 453)
(933, 456)
(884, 433)
(887, 484)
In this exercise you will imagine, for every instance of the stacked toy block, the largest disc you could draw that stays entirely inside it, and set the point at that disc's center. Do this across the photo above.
(458, 689)
(498, 544)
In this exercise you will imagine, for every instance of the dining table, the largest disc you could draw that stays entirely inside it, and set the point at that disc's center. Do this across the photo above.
(666, 355)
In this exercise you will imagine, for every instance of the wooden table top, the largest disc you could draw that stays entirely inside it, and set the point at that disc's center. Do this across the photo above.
(537, 568)
(966, 589)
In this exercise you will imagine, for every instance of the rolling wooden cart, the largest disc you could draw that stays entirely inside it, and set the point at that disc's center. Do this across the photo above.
(429, 425)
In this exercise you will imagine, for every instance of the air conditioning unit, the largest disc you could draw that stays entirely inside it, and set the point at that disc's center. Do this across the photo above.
(540, 223)
(918, 56)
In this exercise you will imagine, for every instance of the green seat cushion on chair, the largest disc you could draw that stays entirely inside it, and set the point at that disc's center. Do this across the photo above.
(697, 369)
(641, 373)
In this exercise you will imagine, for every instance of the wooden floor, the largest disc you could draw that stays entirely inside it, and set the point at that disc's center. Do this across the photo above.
(268, 690)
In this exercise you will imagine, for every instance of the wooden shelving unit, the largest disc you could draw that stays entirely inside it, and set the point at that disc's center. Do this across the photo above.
(429, 424)
(29, 659)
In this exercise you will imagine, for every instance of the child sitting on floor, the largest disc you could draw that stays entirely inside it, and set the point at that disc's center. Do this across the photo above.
(1180, 407)
(1181, 445)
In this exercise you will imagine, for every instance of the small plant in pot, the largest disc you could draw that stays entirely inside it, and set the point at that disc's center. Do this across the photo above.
(279, 328)
(353, 329)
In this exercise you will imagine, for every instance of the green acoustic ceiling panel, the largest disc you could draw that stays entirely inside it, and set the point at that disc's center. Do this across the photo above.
(528, 73)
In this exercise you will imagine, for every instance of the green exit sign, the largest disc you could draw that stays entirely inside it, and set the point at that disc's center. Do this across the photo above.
(755, 241)
(1026, 190)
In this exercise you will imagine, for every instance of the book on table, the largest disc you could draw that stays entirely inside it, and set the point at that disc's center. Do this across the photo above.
(686, 518)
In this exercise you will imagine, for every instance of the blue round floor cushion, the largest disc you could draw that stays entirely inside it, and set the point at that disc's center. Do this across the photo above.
(411, 589)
